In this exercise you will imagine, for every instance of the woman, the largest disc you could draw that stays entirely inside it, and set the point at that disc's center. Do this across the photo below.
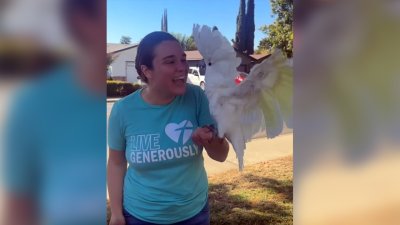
(161, 131)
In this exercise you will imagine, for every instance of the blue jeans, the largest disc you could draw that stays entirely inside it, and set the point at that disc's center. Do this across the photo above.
(201, 218)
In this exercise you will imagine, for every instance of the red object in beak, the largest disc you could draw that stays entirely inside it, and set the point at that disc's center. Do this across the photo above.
(239, 78)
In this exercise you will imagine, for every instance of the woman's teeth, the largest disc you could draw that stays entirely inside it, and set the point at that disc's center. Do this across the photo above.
(179, 79)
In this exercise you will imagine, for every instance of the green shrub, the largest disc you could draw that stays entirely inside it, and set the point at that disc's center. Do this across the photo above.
(120, 88)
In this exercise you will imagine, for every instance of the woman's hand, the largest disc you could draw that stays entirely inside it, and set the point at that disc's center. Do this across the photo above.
(117, 220)
(217, 148)
(202, 136)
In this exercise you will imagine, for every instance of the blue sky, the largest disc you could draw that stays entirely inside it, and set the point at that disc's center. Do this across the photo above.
(136, 18)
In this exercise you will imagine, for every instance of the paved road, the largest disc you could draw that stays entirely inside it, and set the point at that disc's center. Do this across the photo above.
(258, 150)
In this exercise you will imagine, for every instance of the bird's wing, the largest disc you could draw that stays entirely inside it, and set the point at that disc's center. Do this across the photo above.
(261, 102)
(269, 86)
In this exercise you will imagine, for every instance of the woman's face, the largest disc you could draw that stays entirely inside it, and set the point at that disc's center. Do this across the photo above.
(170, 69)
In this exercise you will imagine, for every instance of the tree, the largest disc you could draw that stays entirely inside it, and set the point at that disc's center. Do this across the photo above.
(280, 33)
(125, 40)
(250, 27)
(110, 60)
(240, 37)
(244, 38)
(164, 22)
(187, 43)
(262, 51)
(190, 44)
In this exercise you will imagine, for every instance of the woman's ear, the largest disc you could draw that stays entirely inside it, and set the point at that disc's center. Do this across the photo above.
(146, 71)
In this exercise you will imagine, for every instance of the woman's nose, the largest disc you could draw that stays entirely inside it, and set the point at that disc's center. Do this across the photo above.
(182, 65)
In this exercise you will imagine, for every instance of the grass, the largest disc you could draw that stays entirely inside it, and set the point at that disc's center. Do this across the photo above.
(261, 194)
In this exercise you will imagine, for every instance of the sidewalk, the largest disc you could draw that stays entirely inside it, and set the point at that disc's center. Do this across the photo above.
(258, 150)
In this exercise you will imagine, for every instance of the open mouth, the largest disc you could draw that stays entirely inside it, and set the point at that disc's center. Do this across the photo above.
(179, 80)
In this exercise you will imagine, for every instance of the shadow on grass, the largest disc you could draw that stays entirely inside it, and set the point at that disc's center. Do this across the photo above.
(272, 208)
(282, 188)
(227, 208)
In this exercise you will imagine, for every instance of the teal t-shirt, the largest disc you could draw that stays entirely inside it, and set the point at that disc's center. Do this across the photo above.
(166, 181)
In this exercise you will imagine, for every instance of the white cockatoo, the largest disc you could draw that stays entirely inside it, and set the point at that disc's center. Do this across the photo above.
(262, 102)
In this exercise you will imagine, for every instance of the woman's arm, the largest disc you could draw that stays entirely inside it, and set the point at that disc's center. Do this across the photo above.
(116, 170)
(20, 210)
(217, 148)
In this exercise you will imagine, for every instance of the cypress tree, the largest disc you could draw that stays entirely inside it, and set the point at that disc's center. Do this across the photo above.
(240, 37)
(250, 27)
(162, 23)
(166, 20)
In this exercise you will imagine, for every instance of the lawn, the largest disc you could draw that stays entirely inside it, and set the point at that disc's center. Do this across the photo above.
(261, 194)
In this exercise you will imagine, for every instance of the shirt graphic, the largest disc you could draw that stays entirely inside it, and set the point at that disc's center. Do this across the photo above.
(145, 148)
(179, 133)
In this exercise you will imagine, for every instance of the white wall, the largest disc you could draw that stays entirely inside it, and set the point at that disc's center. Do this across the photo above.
(131, 74)
(124, 66)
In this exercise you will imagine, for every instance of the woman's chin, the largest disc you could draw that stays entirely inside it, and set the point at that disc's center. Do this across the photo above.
(179, 89)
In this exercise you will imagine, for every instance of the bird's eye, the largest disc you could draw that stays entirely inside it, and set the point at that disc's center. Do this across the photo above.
(209, 64)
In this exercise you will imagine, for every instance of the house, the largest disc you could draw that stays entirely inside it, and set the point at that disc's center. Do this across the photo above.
(122, 66)
(123, 57)
(248, 61)
(195, 59)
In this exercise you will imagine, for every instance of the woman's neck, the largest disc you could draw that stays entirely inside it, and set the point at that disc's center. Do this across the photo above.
(154, 97)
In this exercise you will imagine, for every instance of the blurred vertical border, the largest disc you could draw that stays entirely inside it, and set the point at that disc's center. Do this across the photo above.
(347, 107)
(53, 88)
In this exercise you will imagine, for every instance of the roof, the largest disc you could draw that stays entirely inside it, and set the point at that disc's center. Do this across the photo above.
(259, 56)
(193, 55)
(190, 55)
(112, 48)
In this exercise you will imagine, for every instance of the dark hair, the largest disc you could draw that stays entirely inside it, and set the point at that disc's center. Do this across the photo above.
(145, 51)
(75, 10)
(88, 7)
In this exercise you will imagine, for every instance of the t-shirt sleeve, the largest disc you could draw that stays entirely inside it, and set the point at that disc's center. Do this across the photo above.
(116, 137)
(204, 115)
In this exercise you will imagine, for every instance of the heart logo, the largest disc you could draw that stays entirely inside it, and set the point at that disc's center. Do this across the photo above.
(181, 131)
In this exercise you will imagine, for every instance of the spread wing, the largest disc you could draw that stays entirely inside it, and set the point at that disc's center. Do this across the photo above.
(269, 86)
(263, 101)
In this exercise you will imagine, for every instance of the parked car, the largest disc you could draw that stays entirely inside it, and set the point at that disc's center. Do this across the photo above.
(194, 77)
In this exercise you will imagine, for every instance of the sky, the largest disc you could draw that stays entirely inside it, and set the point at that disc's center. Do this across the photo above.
(136, 18)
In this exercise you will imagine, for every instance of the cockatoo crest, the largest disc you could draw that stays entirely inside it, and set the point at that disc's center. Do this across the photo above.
(215, 48)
